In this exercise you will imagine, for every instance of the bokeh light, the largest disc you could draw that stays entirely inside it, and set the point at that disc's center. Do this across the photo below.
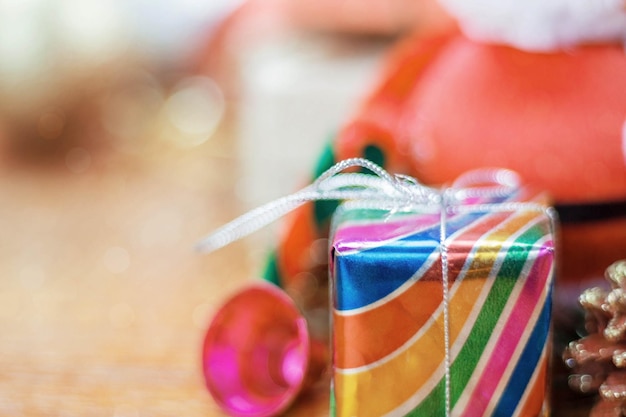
(195, 108)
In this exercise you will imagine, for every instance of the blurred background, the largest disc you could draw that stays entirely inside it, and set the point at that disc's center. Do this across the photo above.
(128, 130)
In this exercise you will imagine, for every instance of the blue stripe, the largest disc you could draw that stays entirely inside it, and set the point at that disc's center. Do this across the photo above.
(369, 275)
(526, 365)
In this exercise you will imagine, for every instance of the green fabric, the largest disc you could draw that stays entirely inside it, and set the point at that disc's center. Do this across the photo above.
(271, 272)
(323, 210)
(374, 154)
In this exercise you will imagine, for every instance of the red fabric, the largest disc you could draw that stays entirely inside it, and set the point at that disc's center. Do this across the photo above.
(557, 119)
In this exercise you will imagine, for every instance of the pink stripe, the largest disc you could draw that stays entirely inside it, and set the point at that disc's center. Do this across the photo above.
(509, 338)
(387, 230)
(397, 228)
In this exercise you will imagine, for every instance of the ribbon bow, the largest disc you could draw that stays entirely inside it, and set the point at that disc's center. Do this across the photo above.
(382, 187)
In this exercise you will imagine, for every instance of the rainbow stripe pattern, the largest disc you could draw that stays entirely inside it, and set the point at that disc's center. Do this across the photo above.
(389, 350)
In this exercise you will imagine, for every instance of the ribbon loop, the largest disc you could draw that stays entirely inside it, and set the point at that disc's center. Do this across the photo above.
(487, 182)
(334, 184)
(328, 186)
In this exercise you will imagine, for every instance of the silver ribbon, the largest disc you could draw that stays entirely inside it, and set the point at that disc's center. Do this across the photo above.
(382, 187)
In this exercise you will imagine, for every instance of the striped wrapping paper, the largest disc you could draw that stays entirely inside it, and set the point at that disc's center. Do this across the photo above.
(389, 349)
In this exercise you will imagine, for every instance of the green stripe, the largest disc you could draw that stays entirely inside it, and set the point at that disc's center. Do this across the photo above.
(463, 367)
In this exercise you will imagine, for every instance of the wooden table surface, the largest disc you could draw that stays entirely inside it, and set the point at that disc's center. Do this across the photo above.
(103, 300)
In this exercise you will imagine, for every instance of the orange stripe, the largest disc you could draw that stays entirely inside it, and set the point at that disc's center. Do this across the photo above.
(373, 334)
(377, 391)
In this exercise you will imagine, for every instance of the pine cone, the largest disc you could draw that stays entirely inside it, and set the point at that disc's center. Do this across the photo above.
(598, 361)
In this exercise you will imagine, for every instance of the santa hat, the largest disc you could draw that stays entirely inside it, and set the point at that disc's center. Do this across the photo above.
(540, 25)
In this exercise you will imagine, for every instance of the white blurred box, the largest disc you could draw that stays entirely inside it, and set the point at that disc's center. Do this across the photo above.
(296, 93)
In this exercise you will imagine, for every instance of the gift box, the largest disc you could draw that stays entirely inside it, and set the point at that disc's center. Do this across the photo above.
(442, 309)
